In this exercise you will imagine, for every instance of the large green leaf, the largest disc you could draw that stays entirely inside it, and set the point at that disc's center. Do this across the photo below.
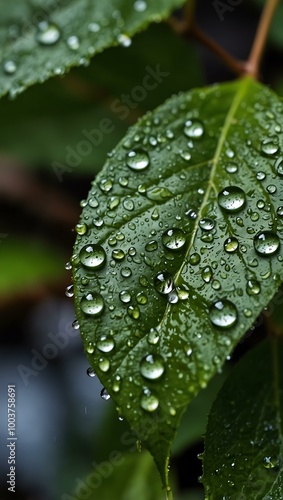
(40, 39)
(157, 215)
(244, 442)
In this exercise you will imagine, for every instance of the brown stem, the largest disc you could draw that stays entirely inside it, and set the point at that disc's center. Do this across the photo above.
(253, 62)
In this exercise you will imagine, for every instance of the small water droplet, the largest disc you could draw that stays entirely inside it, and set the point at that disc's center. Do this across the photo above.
(279, 211)
(69, 292)
(81, 229)
(206, 224)
(124, 40)
(191, 213)
(173, 239)
(231, 168)
(104, 364)
(152, 366)
(260, 176)
(116, 384)
(268, 147)
(163, 283)
(151, 246)
(269, 462)
(266, 243)
(92, 304)
(231, 245)
(73, 42)
(106, 185)
(133, 312)
(48, 33)
(231, 198)
(193, 129)
(93, 27)
(126, 272)
(149, 402)
(194, 259)
(279, 166)
(104, 394)
(271, 189)
(68, 266)
(10, 67)
(140, 6)
(118, 254)
(142, 298)
(93, 256)
(105, 343)
(128, 204)
(125, 296)
(90, 372)
(253, 287)
(206, 274)
(223, 313)
(90, 348)
(153, 337)
(138, 159)
(75, 324)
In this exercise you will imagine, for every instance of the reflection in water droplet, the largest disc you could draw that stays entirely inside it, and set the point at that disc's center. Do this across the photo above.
(142, 298)
(93, 256)
(260, 176)
(149, 402)
(151, 246)
(48, 33)
(231, 198)
(69, 292)
(266, 243)
(163, 283)
(105, 343)
(279, 211)
(231, 245)
(223, 313)
(174, 239)
(193, 129)
(253, 287)
(152, 366)
(92, 304)
(271, 189)
(138, 159)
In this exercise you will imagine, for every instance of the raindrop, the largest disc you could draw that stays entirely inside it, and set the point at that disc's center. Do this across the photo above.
(93, 203)
(231, 168)
(260, 176)
(140, 5)
(271, 189)
(138, 159)
(253, 287)
(126, 272)
(90, 372)
(193, 129)
(104, 364)
(206, 274)
(133, 312)
(116, 385)
(231, 245)
(194, 259)
(223, 313)
(268, 147)
(105, 343)
(174, 239)
(48, 33)
(124, 40)
(266, 243)
(279, 166)
(68, 266)
(142, 298)
(149, 402)
(163, 283)
(73, 42)
(158, 194)
(191, 213)
(206, 224)
(151, 246)
(69, 292)
(106, 185)
(92, 304)
(93, 256)
(104, 394)
(231, 198)
(90, 348)
(152, 366)
(279, 211)
(118, 254)
(125, 296)
(128, 204)
(75, 324)
(153, 337)
(10, 67)
(81, 229)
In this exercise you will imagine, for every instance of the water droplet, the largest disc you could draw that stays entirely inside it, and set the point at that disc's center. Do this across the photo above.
(48, 33)
(223, 313)
(231, 198)
(271, 189)
(231, 168)
(73, 42)
(206, 274)
(128, 204)
(206, 224)
(231, 245)
(68, 266)
(142, 298)
(279, 166)
(174, 239)
(90, 348)
(133, 312)
(104, 394)
(266, 243)
(81, 229)
(279, 211)
(191, 213)
(260, 204)
(126, 272)
(269, 462)
(10, 67)
(93, 256)
(93, 27)
(138, 159)
(158, 194)
(106, 185)
(152, 366)
(268, 147)
(149, 402)
(116, 385)
(153, 337)
(75, 324)
(125, 296)
(140, 5)
(104, 364)
(193, 129)
(90, 372)
(92, 304)
(118, 254)
(151, 246)
(253, 287)
(69, 292)
(105, 343)
(163, 283)
(194, 259)
(260, 176)
(124, 40)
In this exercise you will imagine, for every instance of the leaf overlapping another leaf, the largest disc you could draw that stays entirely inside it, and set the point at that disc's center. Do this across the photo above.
(184, 198)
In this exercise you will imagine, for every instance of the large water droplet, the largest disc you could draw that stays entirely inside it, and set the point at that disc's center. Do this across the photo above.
(223, 313)
(48, 33)
(231, 198)
(93, 256)
(266, 243)
(138, 159)
(174, 239)
(92, 304)
(149, 402)
(193, 129)
(163, 283)
(152, 366)
(105, 343)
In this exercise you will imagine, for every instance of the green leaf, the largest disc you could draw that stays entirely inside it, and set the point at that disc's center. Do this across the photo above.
(55, 118)
(41, 39)
(244, 442)
(156, 213)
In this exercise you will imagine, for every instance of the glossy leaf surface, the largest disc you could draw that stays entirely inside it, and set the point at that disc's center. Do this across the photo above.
(178, 250)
